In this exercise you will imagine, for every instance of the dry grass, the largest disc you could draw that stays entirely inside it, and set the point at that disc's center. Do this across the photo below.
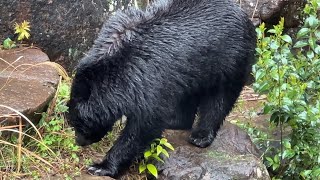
(20, 158)
(20, 150)
(13, 153)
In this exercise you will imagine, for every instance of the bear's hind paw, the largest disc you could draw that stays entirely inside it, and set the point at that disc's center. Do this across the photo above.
(201, 138)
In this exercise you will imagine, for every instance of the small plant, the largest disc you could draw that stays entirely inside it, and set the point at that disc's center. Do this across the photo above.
(153, 153)
(56, 134)
(23, 32)
(9, 44)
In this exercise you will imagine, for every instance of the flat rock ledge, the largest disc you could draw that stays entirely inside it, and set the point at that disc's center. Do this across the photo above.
(26, 84)
(232, 155)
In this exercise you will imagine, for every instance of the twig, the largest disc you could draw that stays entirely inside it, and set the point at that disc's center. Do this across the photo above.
(24, 117)
(19, 146)
(27, 152)
(251, 99)
(255, 9)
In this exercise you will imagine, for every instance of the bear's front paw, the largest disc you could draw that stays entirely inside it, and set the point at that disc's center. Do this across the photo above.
(201, 138)
(100, 170)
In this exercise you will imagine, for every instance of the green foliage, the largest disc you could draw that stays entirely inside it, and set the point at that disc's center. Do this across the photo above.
(56, 134)
(153, 153)
(8, 44)
(259, 138)
(22, 30)
(288, 72)
(55, 151)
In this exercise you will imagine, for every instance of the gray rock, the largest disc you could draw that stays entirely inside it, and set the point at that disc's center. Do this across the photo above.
(231, 156)
(292, 13)
(66, 29)
(63, 29)
(270, 11)
(27, 88)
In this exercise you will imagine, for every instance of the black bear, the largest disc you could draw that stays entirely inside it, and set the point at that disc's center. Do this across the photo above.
(160, 67)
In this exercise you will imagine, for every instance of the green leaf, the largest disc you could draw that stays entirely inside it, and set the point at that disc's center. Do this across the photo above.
(269, 159)
(157, 158)
(312, 21)
(300, 44)
(286, 144)
(260, 74)
(286, 38)
(159, 149)
(153, 170)
(267, 109)
(168, 145)
(312, 42)
(276, 159)
(274, 45)
(317, 49)
(273, 31)
(303, 32)
(22, 30)
(8, 44)
(310, 54)
(165, 152)
(275, 166)
(163, 140)
(305, 173)
(142, 167)
(287, 154)
(284, 61)
(307, 9)
(263, 87)
(147, 154)
(153, 145)
(317, 33)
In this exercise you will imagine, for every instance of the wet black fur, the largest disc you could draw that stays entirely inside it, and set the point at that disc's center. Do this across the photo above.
(159, 68)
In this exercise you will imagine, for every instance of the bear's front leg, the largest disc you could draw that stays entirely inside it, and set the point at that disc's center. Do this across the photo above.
(131, 143)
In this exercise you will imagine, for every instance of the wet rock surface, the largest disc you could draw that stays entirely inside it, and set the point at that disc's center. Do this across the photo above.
(270, 11)
(62, 29)
(231, 156)
(25, 85)
(65, 30)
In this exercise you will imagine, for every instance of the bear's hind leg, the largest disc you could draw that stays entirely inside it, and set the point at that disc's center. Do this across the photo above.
(213, 109)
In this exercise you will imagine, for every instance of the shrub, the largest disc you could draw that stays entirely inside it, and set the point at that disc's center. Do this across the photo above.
(23, 32)
(287, 72)
(56, 134)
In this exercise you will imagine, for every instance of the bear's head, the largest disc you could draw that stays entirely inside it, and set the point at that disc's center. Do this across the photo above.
(90, 120)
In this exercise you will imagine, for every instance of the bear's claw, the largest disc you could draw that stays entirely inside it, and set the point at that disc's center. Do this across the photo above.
(99, 171)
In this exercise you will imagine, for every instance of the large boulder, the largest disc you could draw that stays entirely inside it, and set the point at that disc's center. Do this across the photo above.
(66, 29)
(231, 156)
(270, 11)
(26, 83)
(62, 29)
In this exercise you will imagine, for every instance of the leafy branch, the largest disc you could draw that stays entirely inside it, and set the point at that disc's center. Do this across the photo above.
(157, 148)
